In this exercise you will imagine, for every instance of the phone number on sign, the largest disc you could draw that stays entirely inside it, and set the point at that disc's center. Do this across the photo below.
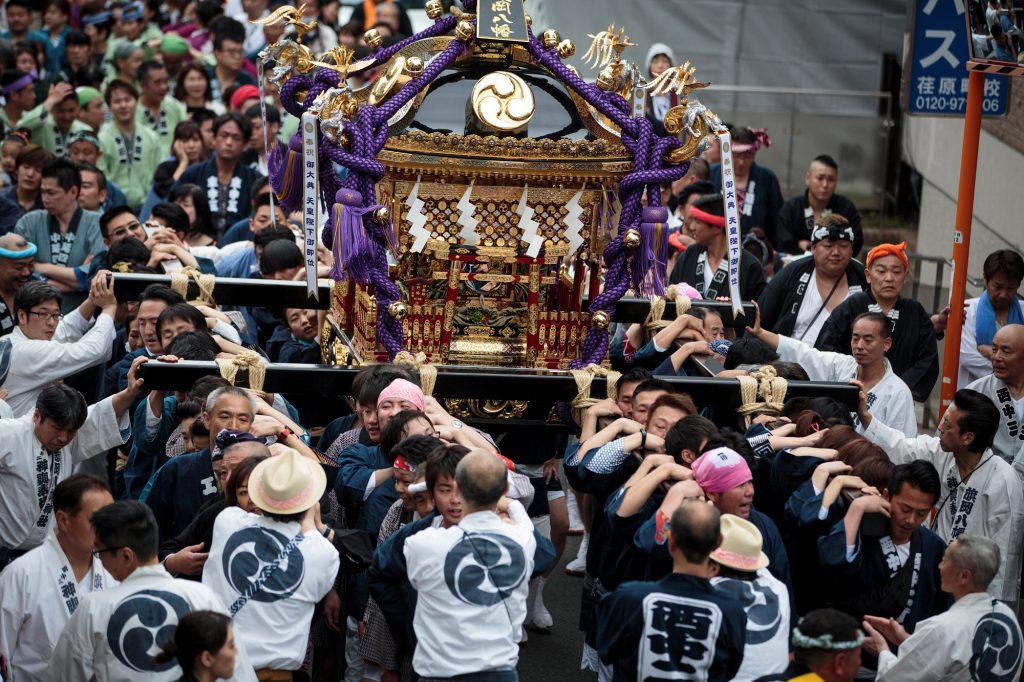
(951, 103)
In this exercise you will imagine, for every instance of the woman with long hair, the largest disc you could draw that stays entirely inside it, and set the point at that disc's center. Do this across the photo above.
(193, 200)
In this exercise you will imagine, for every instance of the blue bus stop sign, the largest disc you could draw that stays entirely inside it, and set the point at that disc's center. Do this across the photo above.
(936, 82)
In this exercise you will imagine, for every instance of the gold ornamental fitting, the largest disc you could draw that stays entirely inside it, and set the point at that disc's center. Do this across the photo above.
(388, 81)
(503, 101)
(373, 38)
(398, 310)
(414, 66)
(464, 30)
(550, 38)
(566, 49)
(529, 20)
(434, 9)
(606, 79)
(600, 319)
(631, 239)
(382, 215)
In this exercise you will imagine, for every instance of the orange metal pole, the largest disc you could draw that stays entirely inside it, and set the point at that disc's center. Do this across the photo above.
(962, 233)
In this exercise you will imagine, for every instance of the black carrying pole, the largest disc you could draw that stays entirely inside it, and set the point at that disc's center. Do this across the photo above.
(487, 383)
(273, 293)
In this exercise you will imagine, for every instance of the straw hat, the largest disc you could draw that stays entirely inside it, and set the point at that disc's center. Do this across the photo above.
(741, 545)
(287, 483)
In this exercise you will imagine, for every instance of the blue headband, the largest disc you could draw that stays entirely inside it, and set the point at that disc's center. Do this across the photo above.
(18, 84)
(98, 18)
(29, 250)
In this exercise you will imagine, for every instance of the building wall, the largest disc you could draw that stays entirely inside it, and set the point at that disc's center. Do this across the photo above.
(933, 147)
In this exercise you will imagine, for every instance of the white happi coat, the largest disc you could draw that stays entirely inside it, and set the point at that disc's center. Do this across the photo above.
(765, 600)
(472, 581)
(990, 504)
(115, 634)
(77, 344)
(978, 638)
(38, 595)
(889, 400)
(29, 473)
(274, 622)
(1009, 441)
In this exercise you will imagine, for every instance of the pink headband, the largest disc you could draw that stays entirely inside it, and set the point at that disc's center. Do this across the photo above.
(401, 389)
(761, 139)
(720, 469)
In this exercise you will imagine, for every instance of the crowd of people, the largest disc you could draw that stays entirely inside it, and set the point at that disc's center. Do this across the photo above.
(225, 533)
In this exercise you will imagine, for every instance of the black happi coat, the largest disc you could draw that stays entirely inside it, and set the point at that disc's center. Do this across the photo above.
(781, 300)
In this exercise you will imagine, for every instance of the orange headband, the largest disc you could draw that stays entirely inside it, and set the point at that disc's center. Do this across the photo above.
(705, 217)
(882, 250)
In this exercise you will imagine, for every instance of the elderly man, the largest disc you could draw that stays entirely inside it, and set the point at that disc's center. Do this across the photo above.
(800, 298)
(680, 627)
(800, 216)
(182, 486)
(114, 634)
(46, 347)
(978, 638)
(41, 591)
(980, 494)
(1005, 388)
(66, 235)
(38, 451)
(457, 581)
(997, 307)
(913, 354)
(887, 395)
(17, 260)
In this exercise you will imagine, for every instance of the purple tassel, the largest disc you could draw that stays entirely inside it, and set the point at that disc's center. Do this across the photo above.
(285, 171)
(354, 251)
(651, 256)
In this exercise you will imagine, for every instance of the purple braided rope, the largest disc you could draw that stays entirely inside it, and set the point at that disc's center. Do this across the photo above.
(439, 28)
(288, 94)
(413, 87)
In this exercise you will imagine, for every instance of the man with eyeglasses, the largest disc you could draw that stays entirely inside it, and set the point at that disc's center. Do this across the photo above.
(227, 182)
(114, 634)
(48, 347)
(17, 261)
(41, 449)
(40, 591)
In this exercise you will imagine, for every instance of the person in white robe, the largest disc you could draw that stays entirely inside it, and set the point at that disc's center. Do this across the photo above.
(997, 306)
(1005, 388)
(978, 638)
(39, 450)
(741, 570)
(40, 591)
(272, 613)
(115, 634)
(888, 396)
(482, 618)
(980, 494)
(46, 348)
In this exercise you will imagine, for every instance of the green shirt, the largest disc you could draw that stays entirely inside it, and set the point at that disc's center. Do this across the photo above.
(130, 164)
(172, 112)
(45, 132)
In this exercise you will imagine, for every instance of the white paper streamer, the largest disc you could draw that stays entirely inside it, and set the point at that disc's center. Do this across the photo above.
(468, 234)
(574, 223)
(732, 222)
(417, 221)
(310, 200)
(528, 226)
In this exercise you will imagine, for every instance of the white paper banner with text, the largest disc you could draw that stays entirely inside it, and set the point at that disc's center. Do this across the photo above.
(310, 201)
(732, 222)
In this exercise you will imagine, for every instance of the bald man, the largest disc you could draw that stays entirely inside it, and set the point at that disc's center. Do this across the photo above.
(1005, 387)
(17, 256)
(474, 573)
